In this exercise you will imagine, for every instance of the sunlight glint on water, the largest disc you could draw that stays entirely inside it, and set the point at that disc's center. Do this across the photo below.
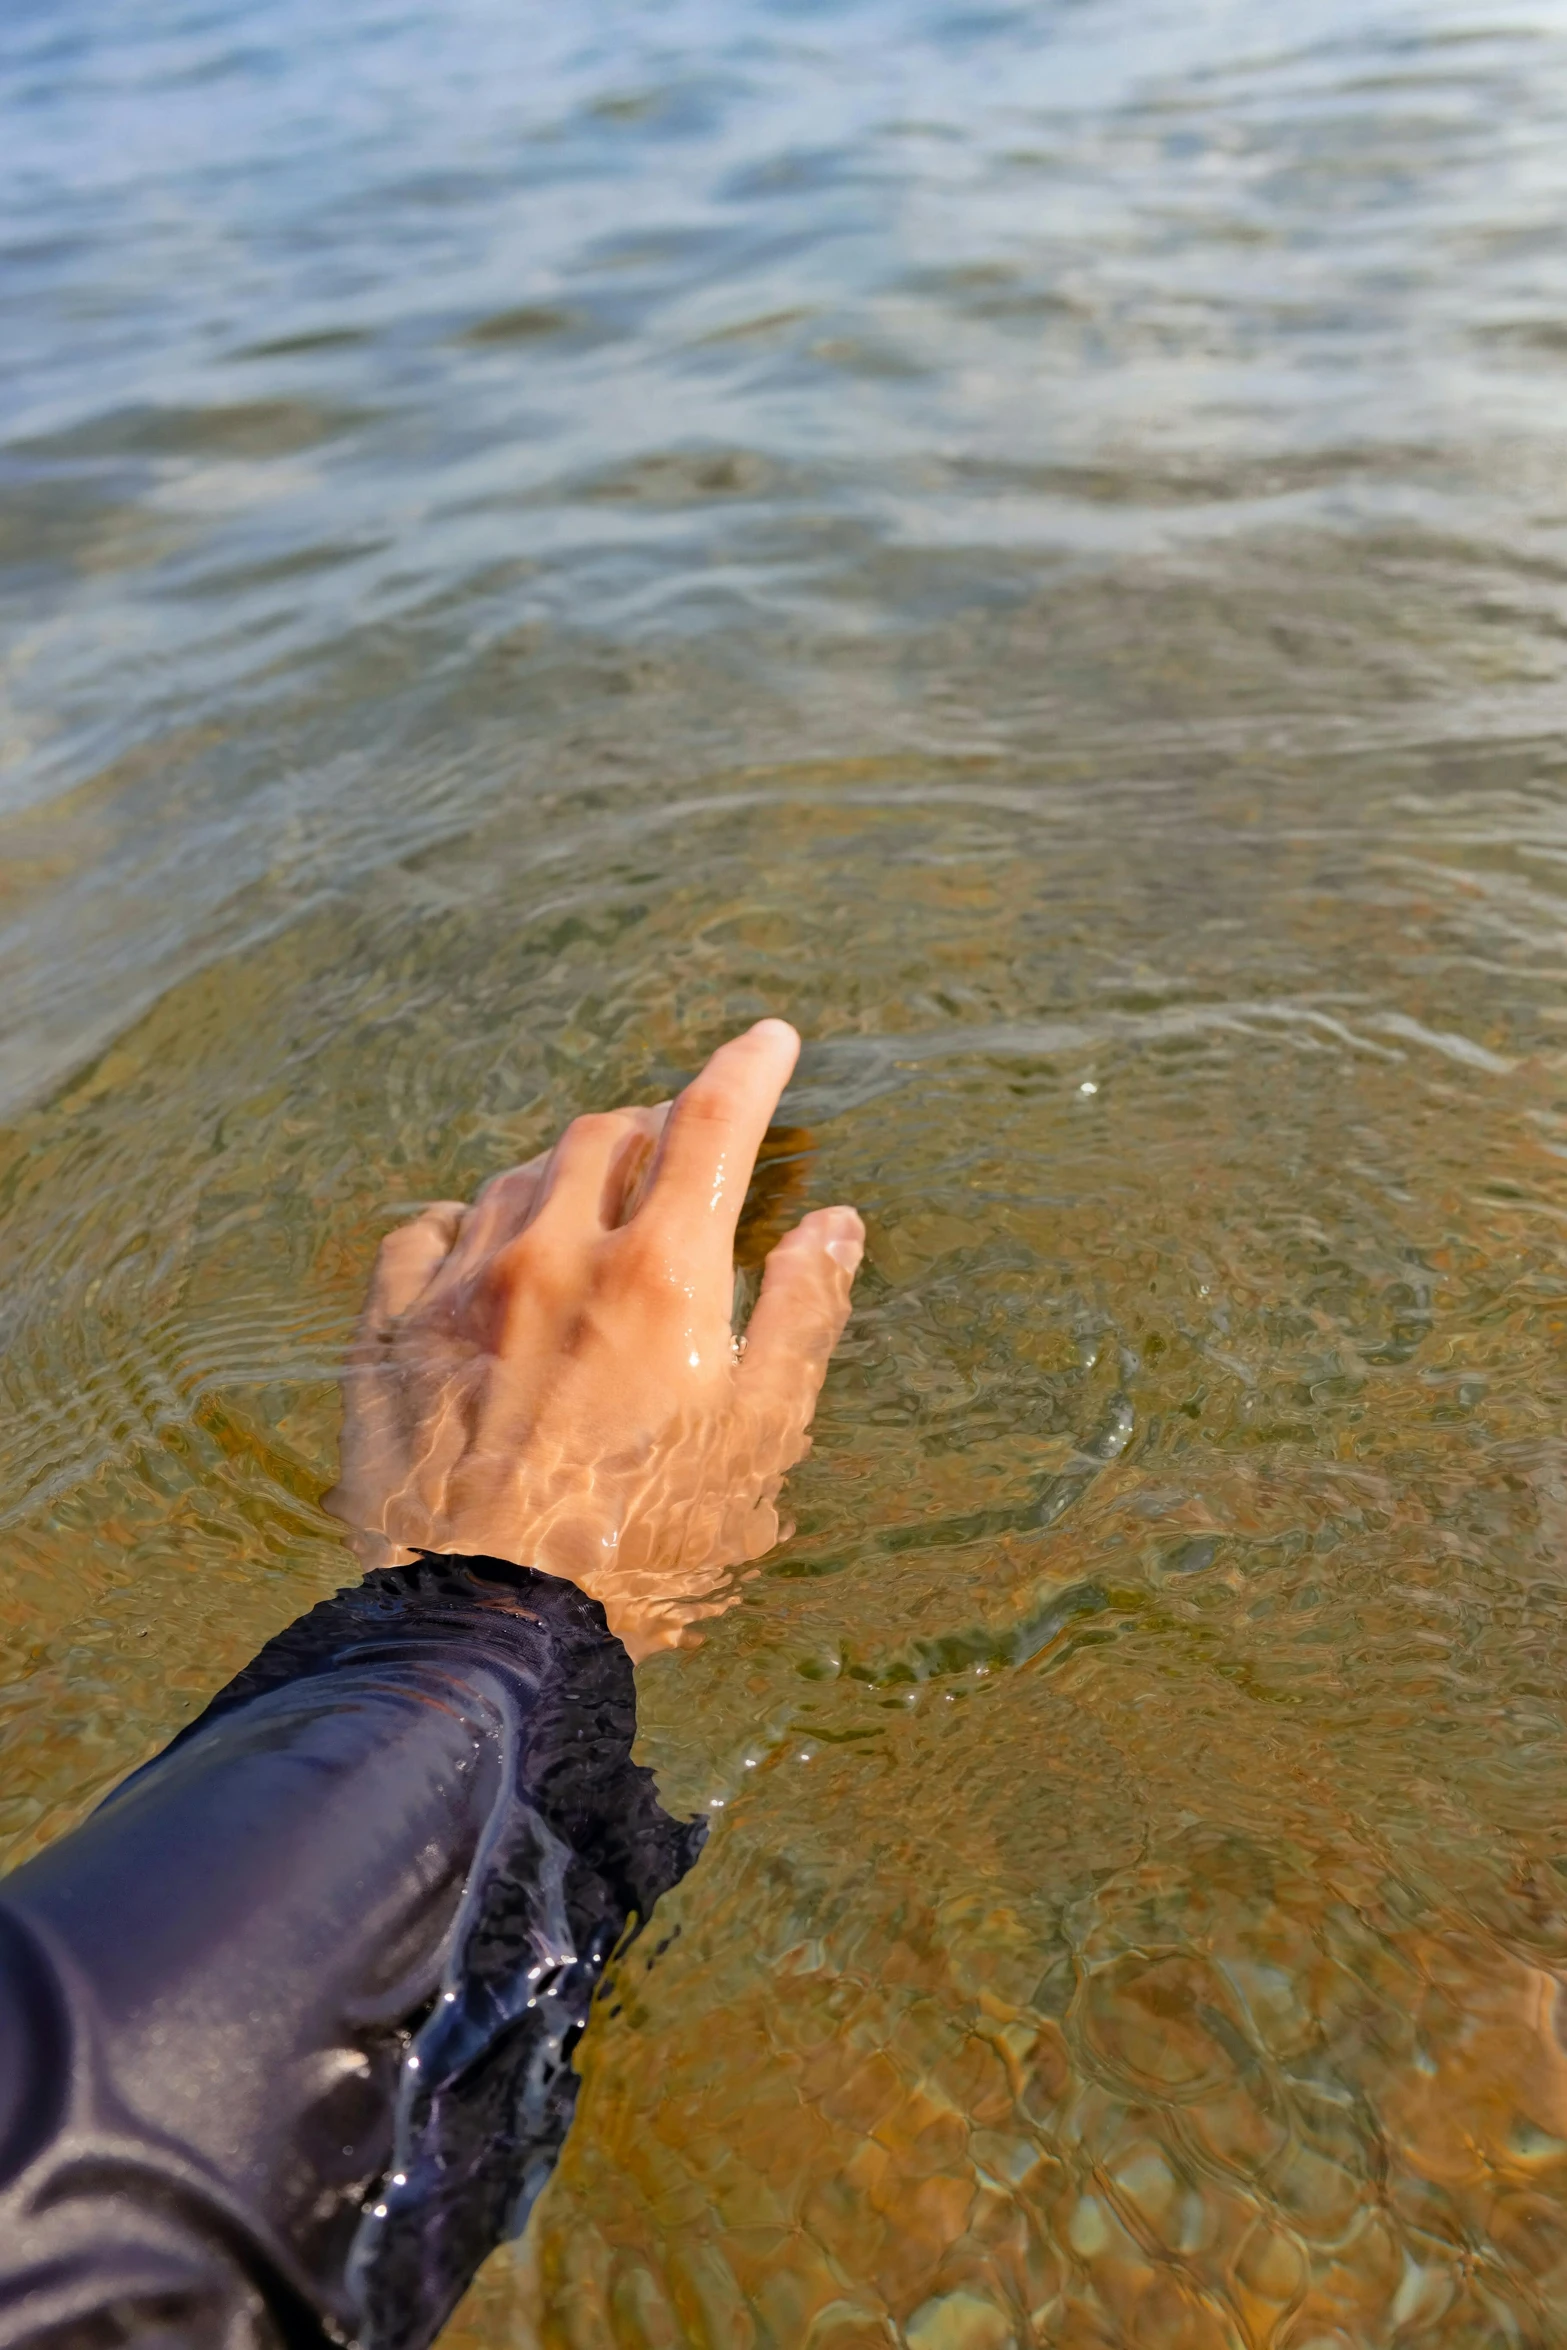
(1033, 541)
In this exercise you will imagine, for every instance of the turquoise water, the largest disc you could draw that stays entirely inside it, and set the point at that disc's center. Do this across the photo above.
(1031, 540)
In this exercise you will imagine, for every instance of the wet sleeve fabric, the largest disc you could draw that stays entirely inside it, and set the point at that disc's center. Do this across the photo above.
(286, 2025)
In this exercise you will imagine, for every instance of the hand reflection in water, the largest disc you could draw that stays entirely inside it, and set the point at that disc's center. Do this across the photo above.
(549, 1376)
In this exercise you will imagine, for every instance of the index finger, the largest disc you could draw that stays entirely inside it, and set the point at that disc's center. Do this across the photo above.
(714, 1132)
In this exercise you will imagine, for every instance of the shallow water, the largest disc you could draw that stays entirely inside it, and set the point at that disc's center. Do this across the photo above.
(1034, 541)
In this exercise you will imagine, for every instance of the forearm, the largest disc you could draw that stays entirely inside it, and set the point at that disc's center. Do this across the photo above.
(285, 2027)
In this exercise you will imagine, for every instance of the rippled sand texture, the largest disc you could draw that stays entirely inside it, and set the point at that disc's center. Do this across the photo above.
(1032, 541)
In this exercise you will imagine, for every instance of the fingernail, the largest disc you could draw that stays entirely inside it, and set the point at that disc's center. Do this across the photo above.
(846, 1253)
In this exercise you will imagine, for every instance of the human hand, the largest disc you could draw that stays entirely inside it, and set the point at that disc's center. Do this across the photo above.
(549, 1376)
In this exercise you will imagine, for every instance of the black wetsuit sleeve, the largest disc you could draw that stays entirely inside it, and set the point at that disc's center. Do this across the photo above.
(286, 2025)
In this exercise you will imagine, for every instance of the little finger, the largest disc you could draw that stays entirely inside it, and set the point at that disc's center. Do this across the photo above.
(501, 1209)
(409, 1258)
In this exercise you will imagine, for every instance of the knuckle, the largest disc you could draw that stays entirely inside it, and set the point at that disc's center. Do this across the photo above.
(527, 1256)
(402, 1256)
(498, 1187)
(638, 1257)
(410, 1238)
(509, 1274)
(593, 1127)
(704, 1104)
(803, 1241)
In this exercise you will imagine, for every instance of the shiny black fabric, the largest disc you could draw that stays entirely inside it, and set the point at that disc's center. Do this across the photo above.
(286, 2025)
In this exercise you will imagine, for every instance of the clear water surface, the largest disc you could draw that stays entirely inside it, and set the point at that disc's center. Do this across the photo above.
(1033, 539)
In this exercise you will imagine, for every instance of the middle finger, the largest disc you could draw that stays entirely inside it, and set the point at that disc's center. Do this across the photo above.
(713, 1134)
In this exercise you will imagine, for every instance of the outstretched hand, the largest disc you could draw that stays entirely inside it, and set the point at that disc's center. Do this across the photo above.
(549, 1376)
